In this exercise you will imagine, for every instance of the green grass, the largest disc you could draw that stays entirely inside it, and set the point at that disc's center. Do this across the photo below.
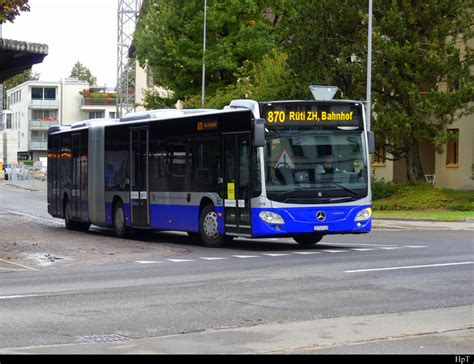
(423, 201)
(435, 215)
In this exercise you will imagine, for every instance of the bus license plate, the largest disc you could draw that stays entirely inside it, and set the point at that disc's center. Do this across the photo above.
(321, 228)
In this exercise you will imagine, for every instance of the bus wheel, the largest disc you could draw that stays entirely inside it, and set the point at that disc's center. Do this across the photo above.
(120, 229)
(307, 239)
(208, 227)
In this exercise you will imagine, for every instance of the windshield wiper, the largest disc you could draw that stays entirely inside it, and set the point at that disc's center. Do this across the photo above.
(286, 193)
(350, 190)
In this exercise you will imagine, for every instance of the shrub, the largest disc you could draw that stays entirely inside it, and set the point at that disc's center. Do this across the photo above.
(382, 189)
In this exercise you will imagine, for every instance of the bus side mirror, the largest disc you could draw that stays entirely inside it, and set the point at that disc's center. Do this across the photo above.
(259, 133)
(371, 142)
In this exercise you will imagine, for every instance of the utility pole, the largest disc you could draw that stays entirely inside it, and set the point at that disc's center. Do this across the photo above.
(369, 66)
(203, 91)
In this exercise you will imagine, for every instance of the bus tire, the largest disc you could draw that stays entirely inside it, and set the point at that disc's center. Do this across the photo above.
(120, 229)
(307, 240)
(208, 227)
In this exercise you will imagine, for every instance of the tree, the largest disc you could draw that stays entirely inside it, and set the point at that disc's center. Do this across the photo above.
(169, 40)
(10, 9)
(18, 79)
(83, 73)
(417, 46)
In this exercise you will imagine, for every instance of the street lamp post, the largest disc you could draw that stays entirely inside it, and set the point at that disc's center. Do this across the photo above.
(204, 56)
(369, 65)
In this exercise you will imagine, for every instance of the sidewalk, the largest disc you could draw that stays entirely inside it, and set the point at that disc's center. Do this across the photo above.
(29, 185)
(423, 225)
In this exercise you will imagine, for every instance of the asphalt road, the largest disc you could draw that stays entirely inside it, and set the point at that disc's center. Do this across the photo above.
(391, 291)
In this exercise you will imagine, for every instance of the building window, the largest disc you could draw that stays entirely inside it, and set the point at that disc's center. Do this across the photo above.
(452, 149)
(378, 158)
(96, 114)
(44, 115)
(43, 93)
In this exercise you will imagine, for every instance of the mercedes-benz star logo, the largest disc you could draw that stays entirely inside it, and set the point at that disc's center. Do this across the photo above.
(320, 216)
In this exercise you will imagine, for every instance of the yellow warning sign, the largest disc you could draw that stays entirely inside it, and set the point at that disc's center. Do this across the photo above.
(231, 191)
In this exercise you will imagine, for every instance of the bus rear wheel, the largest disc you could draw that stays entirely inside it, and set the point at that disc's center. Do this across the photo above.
(120, 229)
(307, 240)
(208, 227)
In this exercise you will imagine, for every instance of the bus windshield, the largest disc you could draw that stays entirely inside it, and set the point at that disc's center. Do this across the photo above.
(310, 165)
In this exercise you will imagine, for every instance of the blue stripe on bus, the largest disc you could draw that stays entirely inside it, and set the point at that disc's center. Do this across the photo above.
(174, 217)
(339, 219)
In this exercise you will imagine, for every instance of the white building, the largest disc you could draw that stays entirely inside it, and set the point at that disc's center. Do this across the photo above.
(34, 106)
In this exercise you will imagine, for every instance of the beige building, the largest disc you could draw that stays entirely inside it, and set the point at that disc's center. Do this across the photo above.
(144, 82)
(453, 168)
(34, 106)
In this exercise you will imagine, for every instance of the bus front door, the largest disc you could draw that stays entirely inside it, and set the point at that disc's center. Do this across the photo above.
(139, 178)
(237, 194)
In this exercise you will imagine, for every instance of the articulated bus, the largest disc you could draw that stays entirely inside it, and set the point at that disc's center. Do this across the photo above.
(254, 169)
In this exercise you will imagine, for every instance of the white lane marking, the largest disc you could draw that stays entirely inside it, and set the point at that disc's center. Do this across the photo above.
(306, 253)
(18, 296)
(333, 251)
(415, 246)
(363, 249)
(213, 258)
(246, 256)
(407, 267)
(357, 244)
(180, 260)
(148, 261)
(19, 265)
(390, 247)
(276, 254)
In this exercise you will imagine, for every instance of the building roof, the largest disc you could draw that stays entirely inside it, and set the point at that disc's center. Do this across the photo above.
(18, 56)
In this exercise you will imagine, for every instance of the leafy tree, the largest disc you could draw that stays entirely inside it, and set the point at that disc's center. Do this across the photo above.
(169, 40)
(417, 47)
(18, 79)
(420, 46)
(83, 73)
(267, 79)
(325, 42)
(10, 9)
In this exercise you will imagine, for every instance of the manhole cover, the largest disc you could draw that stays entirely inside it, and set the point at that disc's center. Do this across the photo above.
(104, 338)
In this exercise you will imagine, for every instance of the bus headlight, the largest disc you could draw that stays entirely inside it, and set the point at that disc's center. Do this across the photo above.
(271, 217)
(363, 215)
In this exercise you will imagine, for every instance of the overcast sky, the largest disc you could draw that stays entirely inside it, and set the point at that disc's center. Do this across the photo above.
(74, 30)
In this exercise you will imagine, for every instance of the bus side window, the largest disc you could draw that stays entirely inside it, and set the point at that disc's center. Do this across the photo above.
(205, 154)
(176, 165)
(158, 166)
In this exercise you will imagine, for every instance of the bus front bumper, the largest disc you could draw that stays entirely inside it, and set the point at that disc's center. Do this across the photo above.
(321, 220)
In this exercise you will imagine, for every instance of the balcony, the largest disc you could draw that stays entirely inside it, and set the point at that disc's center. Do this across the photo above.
(99, 101)
(39, 145)
(44, 103)
(44, 123)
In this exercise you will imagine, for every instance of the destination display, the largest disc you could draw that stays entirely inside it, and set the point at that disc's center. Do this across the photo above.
(335, 114)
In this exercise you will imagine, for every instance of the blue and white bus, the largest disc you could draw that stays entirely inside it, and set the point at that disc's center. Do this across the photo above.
(254, 169)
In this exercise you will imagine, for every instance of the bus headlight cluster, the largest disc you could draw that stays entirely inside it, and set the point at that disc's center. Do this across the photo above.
(364, 214)
(271, 217)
